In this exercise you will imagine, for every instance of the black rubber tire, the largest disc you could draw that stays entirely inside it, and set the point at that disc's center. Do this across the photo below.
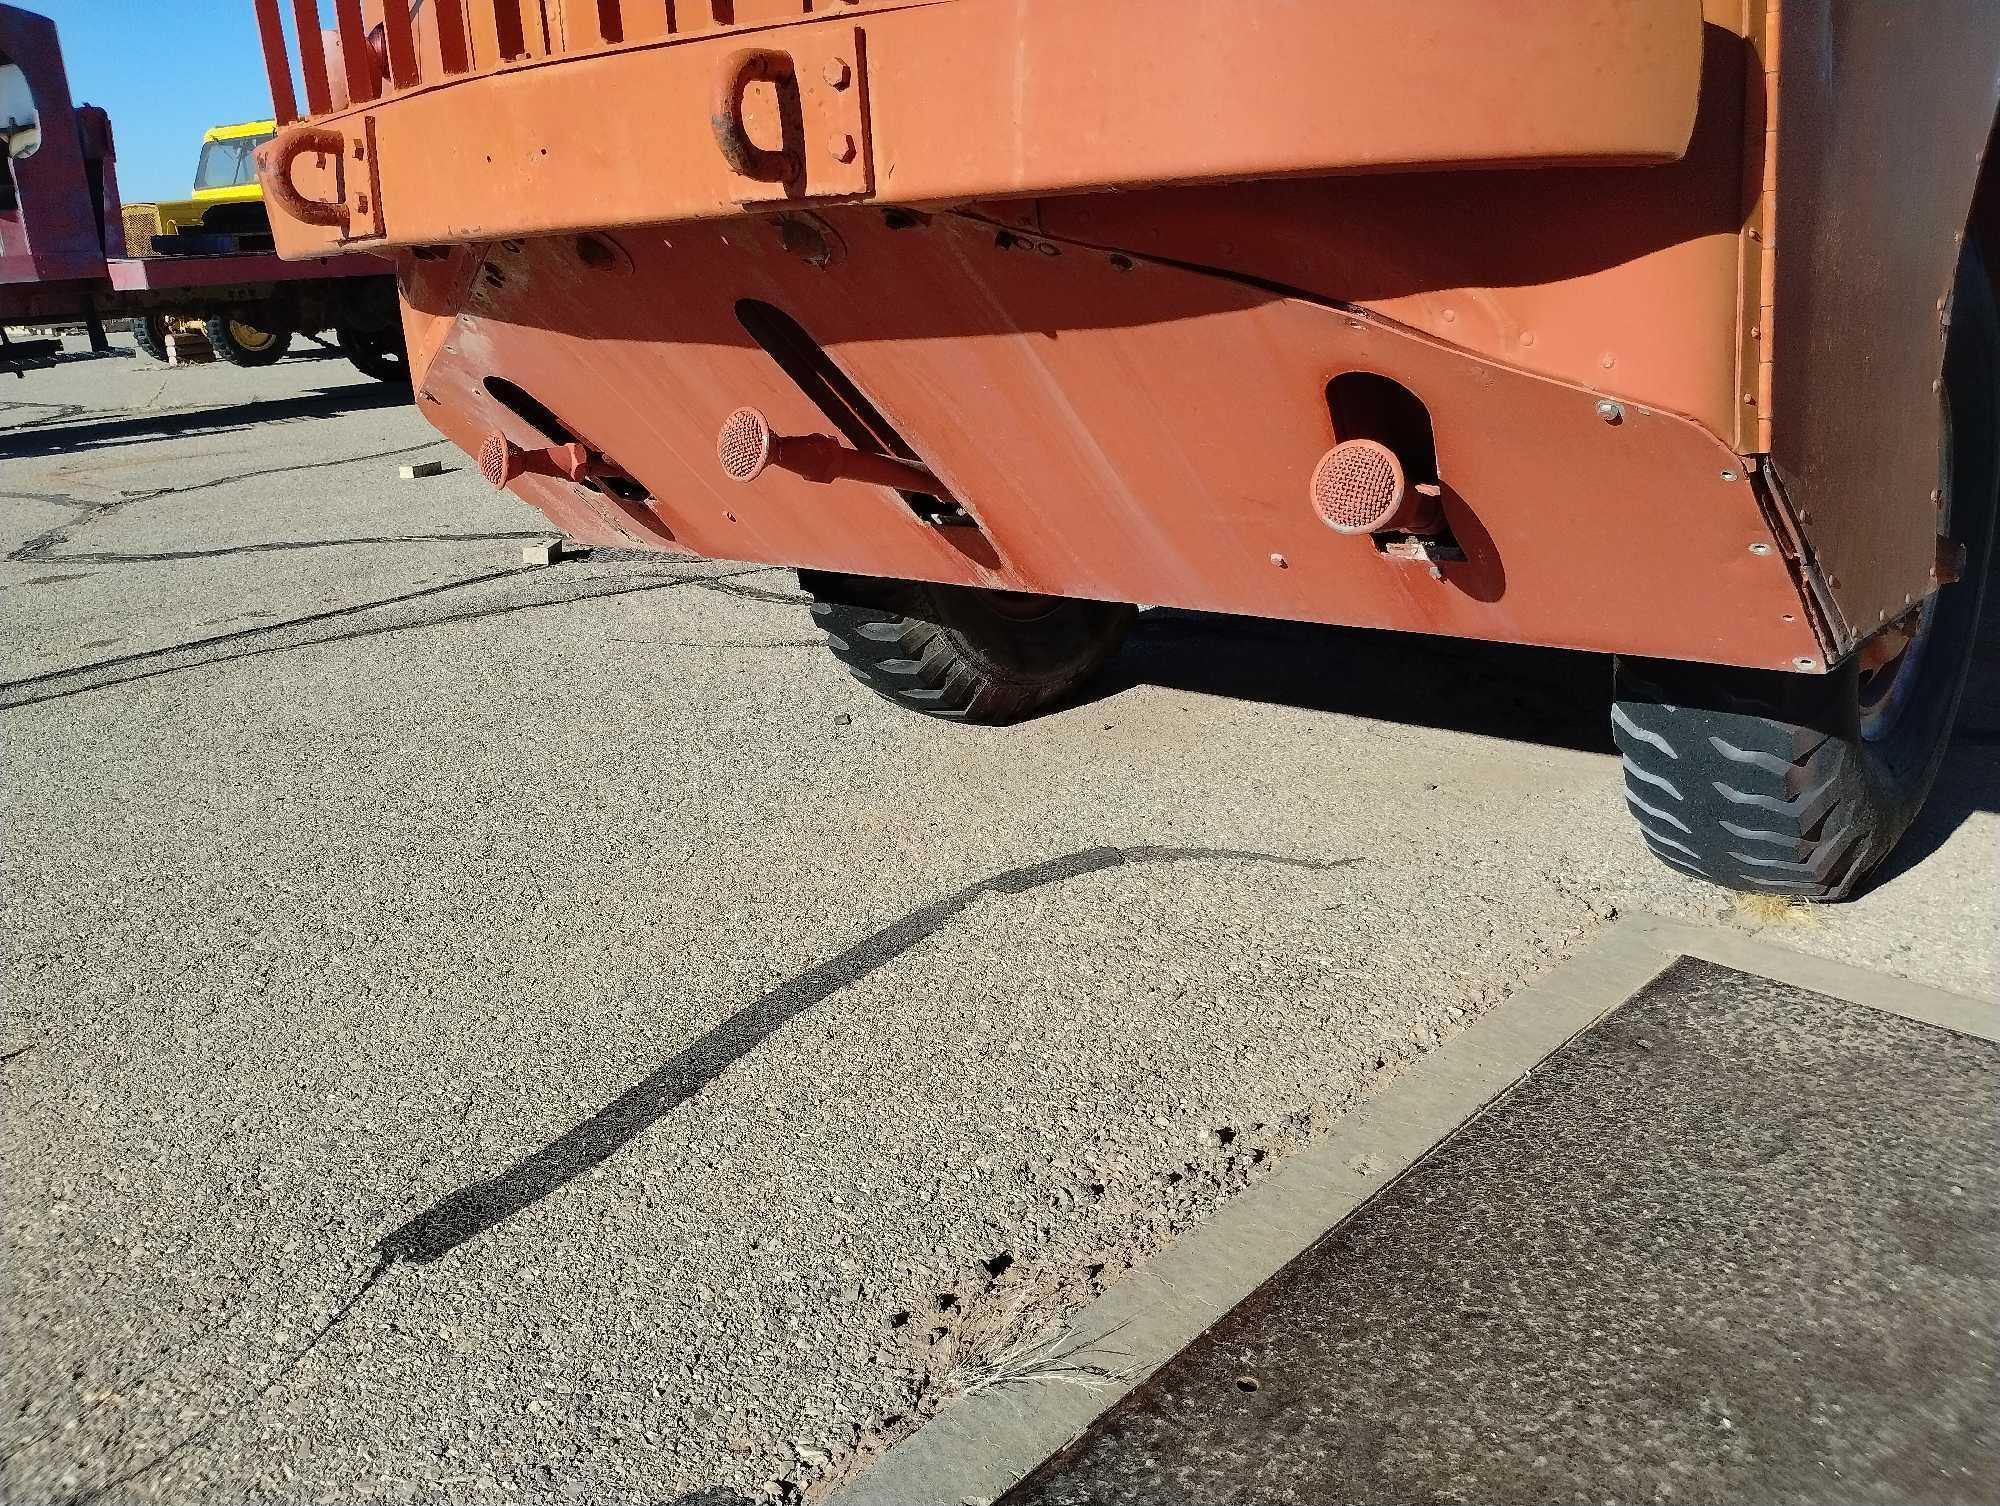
(149, 334)
(960, 653)
(1762, 781)
(222, 340)
(376, 353)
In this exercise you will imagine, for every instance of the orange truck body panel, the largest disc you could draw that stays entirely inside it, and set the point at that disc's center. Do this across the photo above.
(1096, 263)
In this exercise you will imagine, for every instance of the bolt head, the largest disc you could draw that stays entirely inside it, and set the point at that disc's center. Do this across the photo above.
(1610, 412)
(837, 73)
(1280, 561)
(842, 147)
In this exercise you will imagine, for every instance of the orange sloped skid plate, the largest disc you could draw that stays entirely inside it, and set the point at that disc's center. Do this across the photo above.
(926, 101)
(1119, 429)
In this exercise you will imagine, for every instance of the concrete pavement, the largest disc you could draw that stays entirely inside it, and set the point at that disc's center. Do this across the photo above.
(485, 1032)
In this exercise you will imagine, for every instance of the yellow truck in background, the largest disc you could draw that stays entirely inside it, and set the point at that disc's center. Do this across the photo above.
(227, 199)
(227, 203)
(224, 214)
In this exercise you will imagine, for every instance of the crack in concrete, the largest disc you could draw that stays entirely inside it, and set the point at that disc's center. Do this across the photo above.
(360, 542)
(280, 1373)
(41, 548)
(59, 413)
(10, 701)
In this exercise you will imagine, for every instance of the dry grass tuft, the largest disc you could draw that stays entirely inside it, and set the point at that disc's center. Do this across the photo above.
(1039, 1358)
(1759, 910)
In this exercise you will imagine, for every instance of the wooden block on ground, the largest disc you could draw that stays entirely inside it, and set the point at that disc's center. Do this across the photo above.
(188, 348)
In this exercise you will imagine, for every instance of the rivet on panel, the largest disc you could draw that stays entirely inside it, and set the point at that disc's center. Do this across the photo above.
(1608, 361)
(1450, 316)
(1527, 338)
(1281, 562)
(1729, 475)
(1805, 663)
(1760, 548)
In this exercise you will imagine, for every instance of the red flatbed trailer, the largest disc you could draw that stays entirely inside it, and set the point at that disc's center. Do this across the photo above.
(62, 240)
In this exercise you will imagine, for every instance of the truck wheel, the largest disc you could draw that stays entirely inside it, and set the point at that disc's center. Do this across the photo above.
(242, 344)
(1800, 785)
(965, 654)
(149, 334)
(377, 353)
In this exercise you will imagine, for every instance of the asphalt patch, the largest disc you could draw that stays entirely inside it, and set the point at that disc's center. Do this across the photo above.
(1734, 1243)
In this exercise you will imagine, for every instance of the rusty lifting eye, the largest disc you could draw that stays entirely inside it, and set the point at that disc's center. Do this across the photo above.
(741, 69)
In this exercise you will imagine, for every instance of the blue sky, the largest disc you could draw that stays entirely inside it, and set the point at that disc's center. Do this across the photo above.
(166, 70)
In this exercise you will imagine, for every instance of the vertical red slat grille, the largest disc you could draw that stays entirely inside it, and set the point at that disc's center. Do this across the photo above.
(357, 59)
(312, 56)
(507, 28)
(469, 36)
(402, 43)
(452, 51)
(277, 62)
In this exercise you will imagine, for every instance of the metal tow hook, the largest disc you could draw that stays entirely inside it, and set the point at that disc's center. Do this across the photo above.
(747, 448)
